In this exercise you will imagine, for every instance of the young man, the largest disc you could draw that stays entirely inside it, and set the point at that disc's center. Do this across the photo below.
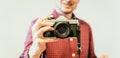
(38, 46)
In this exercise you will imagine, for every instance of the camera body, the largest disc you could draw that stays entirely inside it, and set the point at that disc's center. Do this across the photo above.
(63, 28)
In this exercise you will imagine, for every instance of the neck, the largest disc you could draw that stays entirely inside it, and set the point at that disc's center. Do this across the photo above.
(67, 15)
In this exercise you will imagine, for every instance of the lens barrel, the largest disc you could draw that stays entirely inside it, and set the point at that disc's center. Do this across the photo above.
(62, 29)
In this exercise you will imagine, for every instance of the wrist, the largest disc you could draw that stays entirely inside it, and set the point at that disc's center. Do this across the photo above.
(34, 52)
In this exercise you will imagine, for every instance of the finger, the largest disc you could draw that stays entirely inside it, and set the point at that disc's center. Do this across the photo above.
(49, 16)
(40, 22)
(45, 24)
(50, 40)
(45, 40)
(104, 56)
(42, 30)
(36, 27)
(45, 17)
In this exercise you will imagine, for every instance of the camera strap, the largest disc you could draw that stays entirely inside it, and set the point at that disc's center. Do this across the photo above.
(78, 37)
(79, 45)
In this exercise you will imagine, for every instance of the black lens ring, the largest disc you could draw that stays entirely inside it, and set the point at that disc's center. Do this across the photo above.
(63, 35)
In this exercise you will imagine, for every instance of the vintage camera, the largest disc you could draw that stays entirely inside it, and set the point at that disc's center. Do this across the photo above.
(63, 28)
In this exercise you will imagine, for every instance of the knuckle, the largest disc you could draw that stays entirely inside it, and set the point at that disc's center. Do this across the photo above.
(49, 16)
(45, 17)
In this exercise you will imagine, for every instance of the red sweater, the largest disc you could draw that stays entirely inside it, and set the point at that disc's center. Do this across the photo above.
(65, 48)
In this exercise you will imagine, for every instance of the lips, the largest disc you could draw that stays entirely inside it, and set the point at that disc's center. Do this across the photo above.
(67, 5)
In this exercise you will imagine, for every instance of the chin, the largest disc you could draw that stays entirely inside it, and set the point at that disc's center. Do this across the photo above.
(67, 11)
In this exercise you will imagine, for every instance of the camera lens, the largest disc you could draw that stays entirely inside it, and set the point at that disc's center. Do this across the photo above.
(62, 29)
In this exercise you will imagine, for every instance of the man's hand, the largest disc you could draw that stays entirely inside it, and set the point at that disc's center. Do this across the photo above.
(39, 41)
(104, 56)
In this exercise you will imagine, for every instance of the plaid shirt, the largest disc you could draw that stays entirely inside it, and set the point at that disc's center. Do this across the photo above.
(65, 48)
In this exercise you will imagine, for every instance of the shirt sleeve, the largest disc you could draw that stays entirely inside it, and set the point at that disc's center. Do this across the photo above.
(91, 46)
(28, 42)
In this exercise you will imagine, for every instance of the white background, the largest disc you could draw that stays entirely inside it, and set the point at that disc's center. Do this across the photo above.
(16, 16)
